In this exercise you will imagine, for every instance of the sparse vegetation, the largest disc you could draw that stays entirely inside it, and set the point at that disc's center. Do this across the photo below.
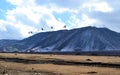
(88, 60)
(92, 72)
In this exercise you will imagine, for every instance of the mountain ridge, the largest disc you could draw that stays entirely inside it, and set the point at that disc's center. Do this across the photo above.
(80, 39)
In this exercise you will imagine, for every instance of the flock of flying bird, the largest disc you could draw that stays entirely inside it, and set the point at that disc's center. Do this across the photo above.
(31, 32)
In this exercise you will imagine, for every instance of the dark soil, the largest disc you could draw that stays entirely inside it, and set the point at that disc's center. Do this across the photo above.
(60, 62)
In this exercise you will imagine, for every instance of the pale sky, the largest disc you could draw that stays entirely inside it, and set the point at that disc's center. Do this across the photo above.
(18, 17)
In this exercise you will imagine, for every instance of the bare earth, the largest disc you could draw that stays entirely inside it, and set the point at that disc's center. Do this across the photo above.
(39, 64)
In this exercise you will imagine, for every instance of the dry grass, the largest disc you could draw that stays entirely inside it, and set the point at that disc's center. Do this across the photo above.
(62, 69)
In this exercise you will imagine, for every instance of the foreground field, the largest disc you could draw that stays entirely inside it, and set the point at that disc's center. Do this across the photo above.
(38, 64)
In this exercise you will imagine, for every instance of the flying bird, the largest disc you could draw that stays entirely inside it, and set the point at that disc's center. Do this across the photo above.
(64, 26)
(52, 27)
(30, 32)
(42, 29)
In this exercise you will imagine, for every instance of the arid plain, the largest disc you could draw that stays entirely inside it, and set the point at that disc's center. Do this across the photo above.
(49, 64)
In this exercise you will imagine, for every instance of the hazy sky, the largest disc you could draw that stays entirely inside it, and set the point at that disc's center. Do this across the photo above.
(18, 17)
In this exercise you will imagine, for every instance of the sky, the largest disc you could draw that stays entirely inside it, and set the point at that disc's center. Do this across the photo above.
(19, 17)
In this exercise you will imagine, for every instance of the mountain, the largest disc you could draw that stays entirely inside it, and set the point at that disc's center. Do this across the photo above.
(5, 45)
(81, 39)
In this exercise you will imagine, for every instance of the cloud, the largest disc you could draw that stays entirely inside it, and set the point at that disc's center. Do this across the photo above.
(22, 3)
(109, 19)
(63, 4)
(32, 15)
(27, 16)
(97, 6)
